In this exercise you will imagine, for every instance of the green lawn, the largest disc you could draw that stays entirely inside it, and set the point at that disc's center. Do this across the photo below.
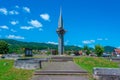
(8, 72)
(88, 63)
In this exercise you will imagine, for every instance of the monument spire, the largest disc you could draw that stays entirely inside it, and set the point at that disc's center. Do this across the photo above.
(60, 23)
(60, 32)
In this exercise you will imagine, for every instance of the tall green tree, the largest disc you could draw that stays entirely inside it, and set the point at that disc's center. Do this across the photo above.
(99, 50)
(3, 47)
(86, 50)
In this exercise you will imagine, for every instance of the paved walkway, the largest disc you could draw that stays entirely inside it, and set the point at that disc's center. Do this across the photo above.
(60, 66)
(59, 77)
(68, 65)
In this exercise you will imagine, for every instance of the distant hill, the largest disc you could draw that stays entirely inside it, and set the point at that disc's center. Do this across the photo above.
(16, 45)
(109, 49)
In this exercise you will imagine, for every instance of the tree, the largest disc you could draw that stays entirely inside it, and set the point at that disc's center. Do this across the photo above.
(86, 50)
(48, 53)
(3, 47)
(99, 50)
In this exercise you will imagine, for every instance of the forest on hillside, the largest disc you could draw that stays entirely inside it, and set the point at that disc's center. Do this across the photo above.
(18, 46)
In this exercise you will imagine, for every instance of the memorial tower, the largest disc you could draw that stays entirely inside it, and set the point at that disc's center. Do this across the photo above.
(60, 32)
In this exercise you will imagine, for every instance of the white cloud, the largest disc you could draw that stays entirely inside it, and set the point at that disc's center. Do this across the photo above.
(35, 23)
(100, 39)
(14, 22)
(13, 12)
(13, 30)
(16, 6)
(88, 41)
(15, 37)
(26, 9)
(26, 27)
(106, 38)
(79, 45)
(40, 29)
(45, 16)
(4, 11)
(4, 27)
(49, 42)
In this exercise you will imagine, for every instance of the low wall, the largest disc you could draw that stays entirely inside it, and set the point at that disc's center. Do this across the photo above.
(106, 73)
(28, 63)
(11, 56)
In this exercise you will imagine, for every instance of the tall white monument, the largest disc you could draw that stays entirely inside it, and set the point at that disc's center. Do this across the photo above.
(60, 32)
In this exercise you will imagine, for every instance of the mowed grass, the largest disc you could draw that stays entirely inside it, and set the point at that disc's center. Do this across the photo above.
(8, 72)
(88, 63)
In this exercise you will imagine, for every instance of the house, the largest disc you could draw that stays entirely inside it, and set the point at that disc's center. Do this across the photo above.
(117, 52)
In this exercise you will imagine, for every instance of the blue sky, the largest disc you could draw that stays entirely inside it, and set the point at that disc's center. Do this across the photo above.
(86, 21)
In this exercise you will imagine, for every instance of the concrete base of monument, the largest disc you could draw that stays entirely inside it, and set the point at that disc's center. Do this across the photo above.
(61, 58)
(29, 63)
(62, 55)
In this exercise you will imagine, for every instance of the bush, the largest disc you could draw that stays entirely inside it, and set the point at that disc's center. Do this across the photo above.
(3, 47)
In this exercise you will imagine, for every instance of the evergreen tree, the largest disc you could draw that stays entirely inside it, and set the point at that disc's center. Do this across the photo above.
(3, 47)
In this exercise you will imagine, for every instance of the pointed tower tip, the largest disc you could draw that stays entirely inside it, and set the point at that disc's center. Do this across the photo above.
(60, 9)
(60, 23)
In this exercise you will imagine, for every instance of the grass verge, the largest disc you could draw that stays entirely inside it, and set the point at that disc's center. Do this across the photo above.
(88, 63)
(8, 72)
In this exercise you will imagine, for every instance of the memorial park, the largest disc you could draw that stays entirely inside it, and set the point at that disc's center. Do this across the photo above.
(73, 50)
(57, 64)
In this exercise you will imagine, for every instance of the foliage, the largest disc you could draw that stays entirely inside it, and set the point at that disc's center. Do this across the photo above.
(99, 50)
(3, 47)
(74, 48)
(48, 53)
(8, 72)
(17, 46)
(86, 50)
(89, 63)
(68, 53)
(109, 49)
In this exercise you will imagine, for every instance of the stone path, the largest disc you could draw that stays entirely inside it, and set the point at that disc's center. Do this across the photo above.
(67, 67)
(59, 77)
